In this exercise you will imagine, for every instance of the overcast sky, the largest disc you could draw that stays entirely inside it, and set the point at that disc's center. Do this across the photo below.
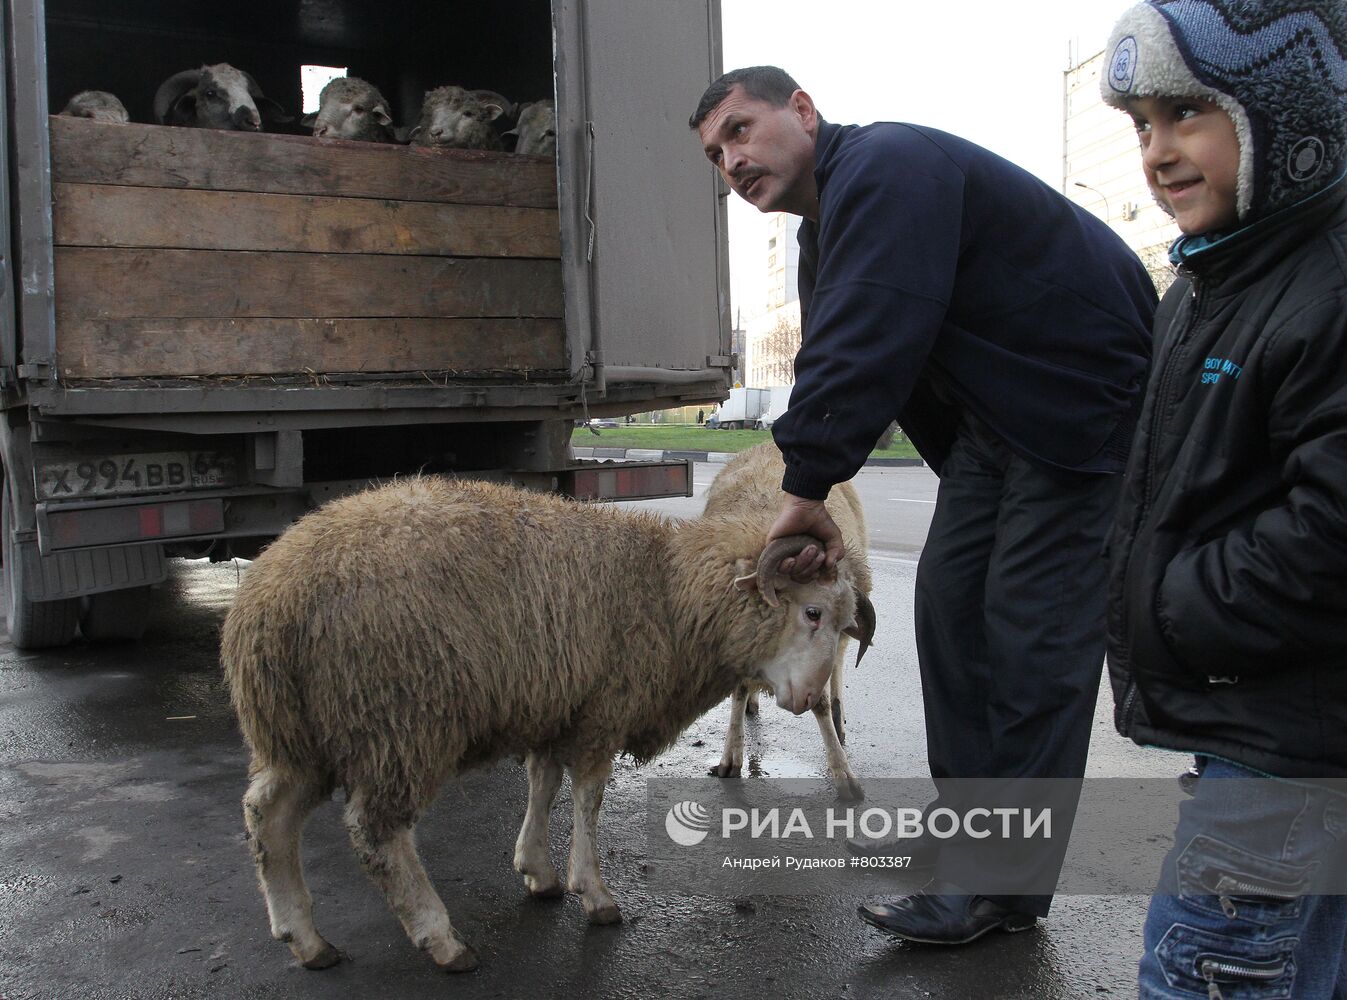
(988, 71)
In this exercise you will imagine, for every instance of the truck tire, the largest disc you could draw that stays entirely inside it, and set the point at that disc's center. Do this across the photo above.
(32, 624)
(115, 615)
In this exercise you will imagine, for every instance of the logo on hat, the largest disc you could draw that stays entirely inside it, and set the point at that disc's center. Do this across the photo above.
(687, 823)
(1122, 68)
(1305, 159)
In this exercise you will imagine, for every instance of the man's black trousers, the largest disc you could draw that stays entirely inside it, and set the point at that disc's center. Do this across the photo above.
(1010, 605)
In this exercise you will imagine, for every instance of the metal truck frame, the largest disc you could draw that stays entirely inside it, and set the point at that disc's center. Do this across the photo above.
(111, 468)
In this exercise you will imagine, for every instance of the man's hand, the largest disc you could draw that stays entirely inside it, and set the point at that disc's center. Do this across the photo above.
(808, 517)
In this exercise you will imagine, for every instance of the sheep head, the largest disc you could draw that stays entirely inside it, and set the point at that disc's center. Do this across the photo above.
(536, 131)
(818, 613)
(217, 97)
(350, 108)
(453, 117)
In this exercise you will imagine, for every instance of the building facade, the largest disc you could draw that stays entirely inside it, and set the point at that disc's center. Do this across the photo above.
(1101, 170)
(773, 335)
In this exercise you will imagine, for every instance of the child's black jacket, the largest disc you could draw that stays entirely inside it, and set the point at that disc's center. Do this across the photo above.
(1228, 597)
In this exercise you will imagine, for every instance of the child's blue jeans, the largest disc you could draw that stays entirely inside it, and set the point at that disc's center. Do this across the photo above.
(1250, 901)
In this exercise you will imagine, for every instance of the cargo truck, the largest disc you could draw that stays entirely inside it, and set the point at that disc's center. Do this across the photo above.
(778, 398)
(205, 334)
(742, 409)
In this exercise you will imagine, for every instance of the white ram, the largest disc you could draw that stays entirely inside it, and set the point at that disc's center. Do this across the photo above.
(752, 479)
(536, 131)
(398, 636)
(351, 108)
(459, 119)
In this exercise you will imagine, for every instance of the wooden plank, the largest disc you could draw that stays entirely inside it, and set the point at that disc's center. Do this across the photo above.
(97, 215)
(87, 152)
(172, 347)
(115, 283)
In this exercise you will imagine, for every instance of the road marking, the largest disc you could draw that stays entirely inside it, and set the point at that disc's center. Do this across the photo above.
(906, 500)
(884, 557)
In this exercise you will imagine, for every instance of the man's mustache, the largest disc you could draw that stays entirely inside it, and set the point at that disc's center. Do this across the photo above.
(746, 177)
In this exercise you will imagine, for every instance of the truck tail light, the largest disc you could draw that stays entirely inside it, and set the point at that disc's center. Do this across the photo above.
(148, 522)
(630, 481)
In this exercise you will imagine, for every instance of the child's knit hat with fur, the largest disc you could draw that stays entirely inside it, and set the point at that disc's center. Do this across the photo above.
(1277, 67)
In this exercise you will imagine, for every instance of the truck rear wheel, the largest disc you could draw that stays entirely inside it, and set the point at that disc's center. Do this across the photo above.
(32, 624)
(115, 615)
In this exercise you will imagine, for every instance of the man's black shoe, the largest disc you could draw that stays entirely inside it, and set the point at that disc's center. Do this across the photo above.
(942, 913)
(923, 851)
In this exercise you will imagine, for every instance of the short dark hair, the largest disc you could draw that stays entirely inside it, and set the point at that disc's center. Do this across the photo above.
(765, 83)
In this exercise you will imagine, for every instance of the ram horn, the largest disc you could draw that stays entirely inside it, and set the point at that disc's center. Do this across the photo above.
(769, 563)
(171, 89)
(863, 628)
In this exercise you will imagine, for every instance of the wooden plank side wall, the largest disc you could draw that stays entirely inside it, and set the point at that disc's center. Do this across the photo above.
(97, 215)
(86, 152)
(122, 284)
(190, 252)
(119, 348)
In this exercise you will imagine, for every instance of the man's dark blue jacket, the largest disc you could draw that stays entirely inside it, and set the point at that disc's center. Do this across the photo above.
(941, 276)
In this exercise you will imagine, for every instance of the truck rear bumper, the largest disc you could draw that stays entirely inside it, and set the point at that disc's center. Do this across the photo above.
(148, 521)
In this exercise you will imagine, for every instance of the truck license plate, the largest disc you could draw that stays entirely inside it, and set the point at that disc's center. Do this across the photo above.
(108, 475)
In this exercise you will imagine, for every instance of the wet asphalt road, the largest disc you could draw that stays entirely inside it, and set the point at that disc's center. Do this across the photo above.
(123, 871)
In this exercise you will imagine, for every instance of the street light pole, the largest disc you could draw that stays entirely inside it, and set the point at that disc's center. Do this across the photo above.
(1108, 213)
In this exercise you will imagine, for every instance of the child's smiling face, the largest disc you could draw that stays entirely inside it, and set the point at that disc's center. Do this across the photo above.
(1190, 155)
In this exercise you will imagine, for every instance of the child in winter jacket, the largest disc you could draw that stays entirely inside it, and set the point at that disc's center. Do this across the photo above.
(1228, 594)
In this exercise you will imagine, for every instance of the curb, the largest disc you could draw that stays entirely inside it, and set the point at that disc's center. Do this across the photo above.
(719, 457)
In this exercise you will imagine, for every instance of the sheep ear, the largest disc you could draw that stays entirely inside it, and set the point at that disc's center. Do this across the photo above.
(413, 133)
(747, 577)
(308, 120)
(273, 111)
(183, 107)
(493, 111)
(748, 582)
(381, 115)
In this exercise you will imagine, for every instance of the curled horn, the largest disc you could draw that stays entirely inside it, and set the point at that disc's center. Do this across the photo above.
(769, 563)
(863, 628)
(171, 89)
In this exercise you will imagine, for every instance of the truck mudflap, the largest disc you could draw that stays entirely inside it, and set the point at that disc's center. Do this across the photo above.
(87, 571)
(614, 480)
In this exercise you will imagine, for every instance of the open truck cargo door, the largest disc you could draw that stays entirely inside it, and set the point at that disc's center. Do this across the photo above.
(645, 279)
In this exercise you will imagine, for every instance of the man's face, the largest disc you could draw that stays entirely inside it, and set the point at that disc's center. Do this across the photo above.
(765, 153)
(1190, 156)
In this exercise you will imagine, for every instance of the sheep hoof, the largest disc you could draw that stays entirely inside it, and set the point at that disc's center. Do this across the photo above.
(552, 890)
(327, 957)
(848, 788)
(463, 961)
(605, 915)
(725, 771)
